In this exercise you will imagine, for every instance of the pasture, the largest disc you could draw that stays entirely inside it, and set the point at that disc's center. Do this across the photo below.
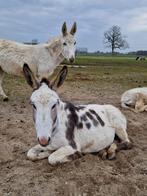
(102, 80)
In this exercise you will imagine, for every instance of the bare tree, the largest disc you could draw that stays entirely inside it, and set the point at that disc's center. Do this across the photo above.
(114, 39)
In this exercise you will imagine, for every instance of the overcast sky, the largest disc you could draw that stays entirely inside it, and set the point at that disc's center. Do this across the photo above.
(24, 20)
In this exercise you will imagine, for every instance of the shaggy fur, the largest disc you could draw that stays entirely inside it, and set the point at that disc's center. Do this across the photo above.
(135, 99)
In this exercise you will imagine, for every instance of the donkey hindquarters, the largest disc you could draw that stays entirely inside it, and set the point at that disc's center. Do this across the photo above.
(119, 123)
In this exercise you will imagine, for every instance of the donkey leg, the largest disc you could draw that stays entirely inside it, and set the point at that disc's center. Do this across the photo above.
(38, 152)
(125, 142)
(111, 152)
(128, 107)
(5, 98)
(122, 134)
(103, 154)
(145, 109)
(61, 155)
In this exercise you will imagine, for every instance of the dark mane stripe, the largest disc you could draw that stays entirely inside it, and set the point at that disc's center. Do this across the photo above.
(45, 80)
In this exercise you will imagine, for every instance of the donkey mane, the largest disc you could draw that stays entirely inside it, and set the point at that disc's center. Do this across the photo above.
(45, 80)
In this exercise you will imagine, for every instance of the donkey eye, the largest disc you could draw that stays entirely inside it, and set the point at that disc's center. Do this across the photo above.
(34, 107)
(74, 43)
(53, 106)
(65, 44)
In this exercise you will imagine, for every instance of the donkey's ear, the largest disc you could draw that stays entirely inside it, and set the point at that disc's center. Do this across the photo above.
(64, 29)
(29, 76)
(73, 29)
(60, 78)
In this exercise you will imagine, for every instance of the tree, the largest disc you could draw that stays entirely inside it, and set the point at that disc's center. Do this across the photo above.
(114, 39)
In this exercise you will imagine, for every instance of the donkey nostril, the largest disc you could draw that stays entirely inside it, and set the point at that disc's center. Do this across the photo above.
(49, 139)
(43, 141)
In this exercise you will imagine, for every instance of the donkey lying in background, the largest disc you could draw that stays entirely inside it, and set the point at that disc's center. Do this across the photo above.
(135, 99)
(42, 58)
(64, 129)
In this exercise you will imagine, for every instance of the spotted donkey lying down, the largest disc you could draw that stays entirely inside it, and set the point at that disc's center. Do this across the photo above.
(64, 129)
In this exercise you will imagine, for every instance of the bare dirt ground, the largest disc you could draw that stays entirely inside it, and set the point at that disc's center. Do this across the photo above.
(88, 175)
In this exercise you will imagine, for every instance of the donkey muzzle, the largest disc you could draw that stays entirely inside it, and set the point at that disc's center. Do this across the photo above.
(44, 141)
(72, 59)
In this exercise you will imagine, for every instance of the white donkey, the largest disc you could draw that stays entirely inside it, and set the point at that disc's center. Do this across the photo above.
(64, 129)
(135, 99)
(42, 58)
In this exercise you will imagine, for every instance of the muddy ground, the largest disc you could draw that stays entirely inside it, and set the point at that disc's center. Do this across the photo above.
(88, 175)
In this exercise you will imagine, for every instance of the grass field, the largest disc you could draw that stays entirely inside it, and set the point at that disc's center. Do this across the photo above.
(108, 73)
(101, 80)
(98, 73)
(107, 60)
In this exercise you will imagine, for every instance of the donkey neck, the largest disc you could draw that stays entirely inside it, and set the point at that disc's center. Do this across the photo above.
(59, 59)
(56, 50)
(61, 118)
(67, 111)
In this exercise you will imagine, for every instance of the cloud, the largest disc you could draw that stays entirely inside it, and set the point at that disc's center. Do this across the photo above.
(138, 22)
(25, 20)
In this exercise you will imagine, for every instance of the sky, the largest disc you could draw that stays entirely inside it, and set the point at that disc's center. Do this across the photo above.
(24, 20)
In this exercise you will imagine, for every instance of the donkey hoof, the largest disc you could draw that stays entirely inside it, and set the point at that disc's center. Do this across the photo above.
(125, 146)
(130, 145)
(111, 155)
(103, 154)
(6, 99)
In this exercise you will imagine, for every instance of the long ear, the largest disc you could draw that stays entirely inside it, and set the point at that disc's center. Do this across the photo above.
(60, 78)
(73, 29)
(64, 29)
(29, 76)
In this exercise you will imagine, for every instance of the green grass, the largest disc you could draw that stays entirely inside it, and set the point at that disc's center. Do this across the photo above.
(111, 74)
(106, 60)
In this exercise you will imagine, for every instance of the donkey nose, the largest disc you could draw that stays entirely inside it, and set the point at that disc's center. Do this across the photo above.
(44, 141)
(71, 59)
